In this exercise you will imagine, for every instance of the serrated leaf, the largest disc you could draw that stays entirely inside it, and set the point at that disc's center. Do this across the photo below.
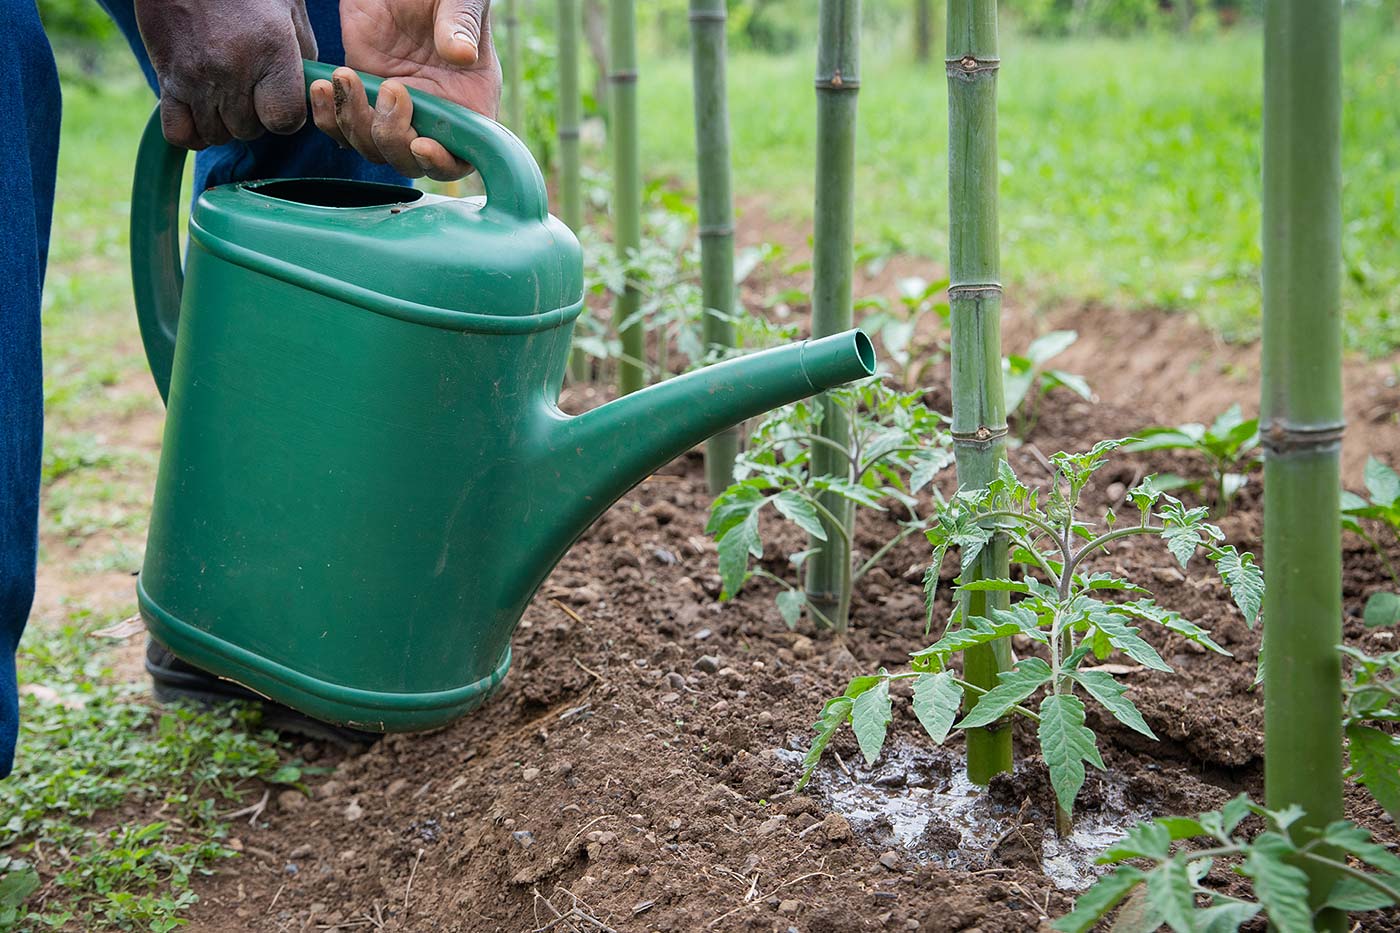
(1171, 895)
(1066, 744)
(1382, 609)
(936, 702)
(1245, 580)
(1382, 483)
(1282, 888)
(835, 712)
(1225, 917)
(1109, 692)
(1182, 541)
(1094, 904)
(734, 505)
(1150, 840)
(870, 719)
(1016, 684)
(19, 881)
(975, 631)
(800, 512)
(1375, 764)
(1355, 896)
(1125, 638)
(790, 603)
(735, 547)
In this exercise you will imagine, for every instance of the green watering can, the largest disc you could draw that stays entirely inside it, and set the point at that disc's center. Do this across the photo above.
(365, 476)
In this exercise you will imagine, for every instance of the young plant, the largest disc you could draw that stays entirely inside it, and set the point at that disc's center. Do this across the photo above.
(1370, 708)
(893, 448)
(1062, 607)
(1172, 891)
(1230, 445)
(1380, 508)
(897, 326)
(1022, 374)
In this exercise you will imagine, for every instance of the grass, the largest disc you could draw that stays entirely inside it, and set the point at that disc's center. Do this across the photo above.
(1129, 168)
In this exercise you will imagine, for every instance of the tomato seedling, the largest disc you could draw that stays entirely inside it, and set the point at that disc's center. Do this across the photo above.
(1380, 507)
(1230, 446)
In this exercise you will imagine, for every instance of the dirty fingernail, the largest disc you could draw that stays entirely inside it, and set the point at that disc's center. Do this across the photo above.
(339, 93)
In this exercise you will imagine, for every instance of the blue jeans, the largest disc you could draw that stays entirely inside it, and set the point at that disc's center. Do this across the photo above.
(29, 115)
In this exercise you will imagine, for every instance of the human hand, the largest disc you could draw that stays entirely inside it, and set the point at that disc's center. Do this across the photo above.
(227, 70)
(440, 46)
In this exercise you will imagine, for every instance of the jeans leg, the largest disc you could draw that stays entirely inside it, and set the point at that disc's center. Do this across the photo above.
(29, 114)
(308, 153)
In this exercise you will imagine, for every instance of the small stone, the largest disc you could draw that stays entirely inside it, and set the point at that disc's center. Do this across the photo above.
(524, 837)
(318, 908)
(669, 698)
(803, 647)
(675, 681)
(728, 672)
(601, 837)
(771, 826)
(890, 859)
(720, 707)
(291, 801)
(530, 774)
(911, 924)
(765, 717)
(236, 844)
(396, 787)
(585, 596)
(348, 855)
(301, 851)
(290, 868)
(663, 555)
(702, 634)
(836, 828)
(1115, 492)
(328, 790)
(625, 559)
(353, 811)
(707, 663)
(790, 906)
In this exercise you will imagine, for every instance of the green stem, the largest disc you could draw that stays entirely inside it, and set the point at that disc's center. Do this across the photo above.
(828, 583)
(515, 100)
(709, 58)
(886, 548)
(627, 185)
(570, 177)
(1301, 418)
(1107, 538)
(1340, 867)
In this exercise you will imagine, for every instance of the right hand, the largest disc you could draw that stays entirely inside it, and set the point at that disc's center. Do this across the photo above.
(227, 70)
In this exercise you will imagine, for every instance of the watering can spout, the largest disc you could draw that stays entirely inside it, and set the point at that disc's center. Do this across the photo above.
(611, 448)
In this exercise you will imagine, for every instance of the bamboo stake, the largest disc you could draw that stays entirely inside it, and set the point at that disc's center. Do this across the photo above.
(627, 186)
(923, 30)
(709, 61)
(1302, 415)
(974, 294)
(838, 84)
(570, 187)
(515, 103)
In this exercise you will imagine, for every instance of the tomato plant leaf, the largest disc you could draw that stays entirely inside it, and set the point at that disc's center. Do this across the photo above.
(936, 702)
(1125, 638)
(1375, 764)
(1282, 888)
(1016, 684)
(1382, 609)
(1066, 744)
(1244, 578)
(836, 711)
(790, 603)
(1103, 687)
(1382, 483)
(1094, 904)
(1152, 840)
(735, 547)
(1171, 894)
(871, 714)
(792, 506)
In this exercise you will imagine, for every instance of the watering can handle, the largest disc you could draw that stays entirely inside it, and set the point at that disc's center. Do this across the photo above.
(515, 192)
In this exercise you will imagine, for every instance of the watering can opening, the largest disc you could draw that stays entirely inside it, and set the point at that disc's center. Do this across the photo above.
(334, 192)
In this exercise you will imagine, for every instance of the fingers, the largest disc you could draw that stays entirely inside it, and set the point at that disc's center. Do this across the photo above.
(279, 96)
(323, 112)
(436, 162)
(458, 30)
(353, 114)
(306, 38)
(177, 123)
(392, 129)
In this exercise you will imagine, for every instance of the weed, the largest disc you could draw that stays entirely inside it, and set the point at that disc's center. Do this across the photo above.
(1061, 608)
(1380, 507)
(1028, 379)
(1371, 705)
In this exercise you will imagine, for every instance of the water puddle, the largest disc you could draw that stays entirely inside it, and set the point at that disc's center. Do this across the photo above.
(919, 800)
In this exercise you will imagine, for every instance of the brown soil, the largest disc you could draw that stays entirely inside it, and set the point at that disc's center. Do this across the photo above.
(635, 772)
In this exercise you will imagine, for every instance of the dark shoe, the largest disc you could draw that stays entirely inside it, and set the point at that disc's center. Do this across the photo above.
(176, 681)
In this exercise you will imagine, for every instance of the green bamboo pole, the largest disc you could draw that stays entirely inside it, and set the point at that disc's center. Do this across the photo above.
(828, 583)
(923, 29)
(627, 185)
(974, 294)
(1301, 411)
(515, 102)
(570, 187)
(709, 58)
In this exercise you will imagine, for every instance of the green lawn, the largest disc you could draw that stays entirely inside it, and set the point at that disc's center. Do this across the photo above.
(1129, 168)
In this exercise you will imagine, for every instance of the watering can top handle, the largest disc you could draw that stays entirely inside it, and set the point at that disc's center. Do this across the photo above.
(515, 190)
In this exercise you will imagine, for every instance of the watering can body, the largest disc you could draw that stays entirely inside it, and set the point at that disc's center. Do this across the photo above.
(364, 476)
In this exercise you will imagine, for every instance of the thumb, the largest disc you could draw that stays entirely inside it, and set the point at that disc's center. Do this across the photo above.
(461, 29)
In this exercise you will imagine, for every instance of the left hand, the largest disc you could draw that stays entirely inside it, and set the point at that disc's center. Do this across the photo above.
(439, 46)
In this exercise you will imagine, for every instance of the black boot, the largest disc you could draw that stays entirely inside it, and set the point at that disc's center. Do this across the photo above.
(177, 681)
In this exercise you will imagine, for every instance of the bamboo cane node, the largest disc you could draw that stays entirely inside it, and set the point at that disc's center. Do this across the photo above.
(708, 16)
(716, 230)
(969, 66)
(1281, 438)
(623, 77)
(568, 133)
(982, 438)
(975, 292)
(838, 82)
